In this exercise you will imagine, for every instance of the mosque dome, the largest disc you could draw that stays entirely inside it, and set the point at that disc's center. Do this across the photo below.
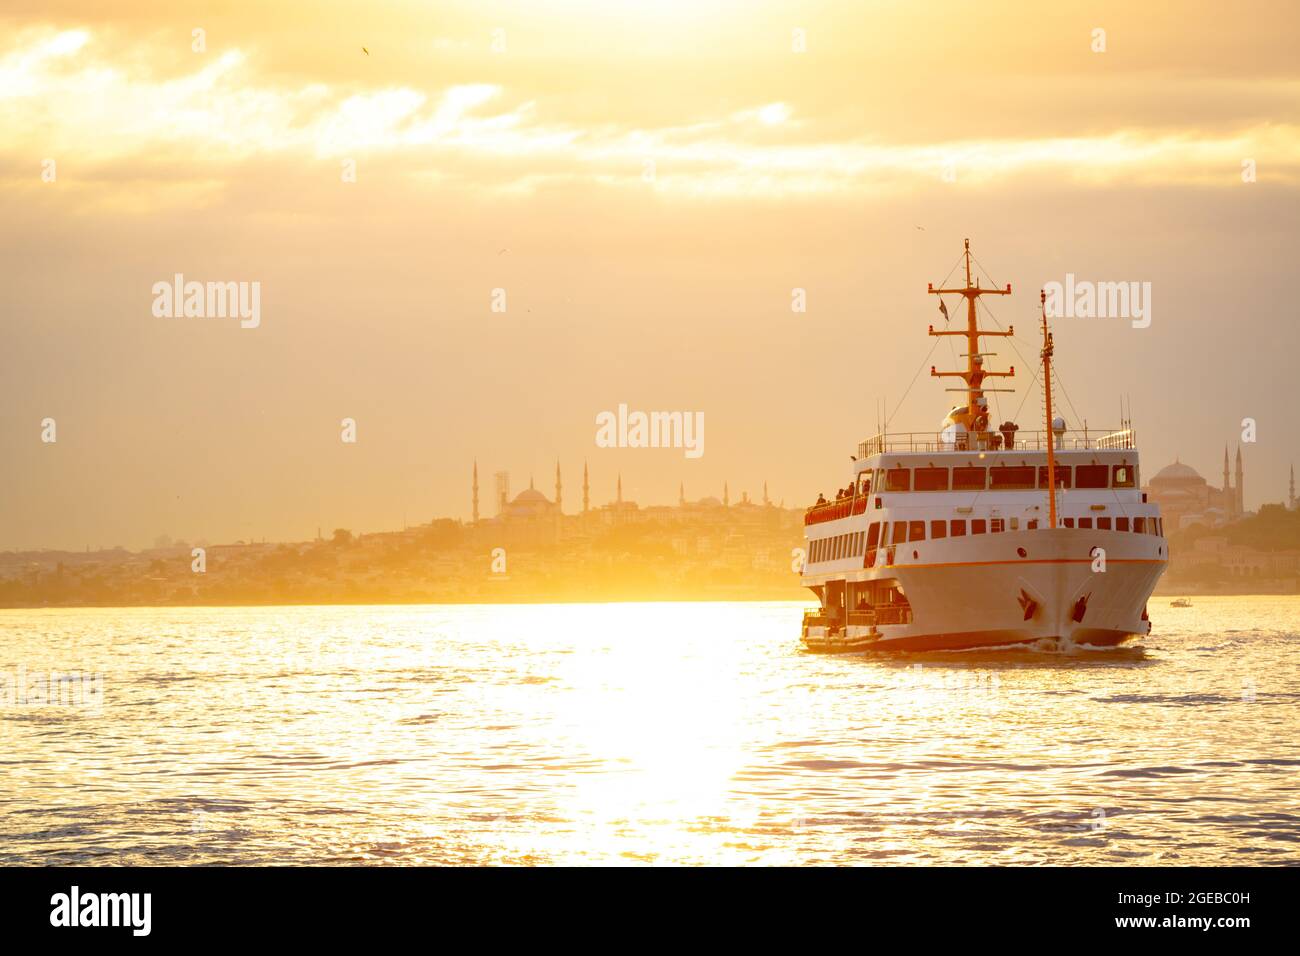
(531, 496)
(1178, 472)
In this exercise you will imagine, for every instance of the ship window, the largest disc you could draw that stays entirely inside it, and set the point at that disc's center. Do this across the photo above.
(958, 527)
(1121, 524)
(998, 526)
(1091, 476)
(1139, 525)
(968, 479)
(873, 534)
(1005, 479)
(916, 531)
(1033, 524)
(1123, 476)
(816, 551)
(1085, 523)
(898, 479)
(938, 529)
(1103, 524)
(1067, 522)
(1015, 524)
(1160, 527)
(978, 526)
(900, 532)
(1062, 476)
(932, 479)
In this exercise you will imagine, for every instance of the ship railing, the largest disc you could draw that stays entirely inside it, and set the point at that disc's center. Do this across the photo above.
(1019, 440)
(894, 614)
(839, 508)
(815, 617)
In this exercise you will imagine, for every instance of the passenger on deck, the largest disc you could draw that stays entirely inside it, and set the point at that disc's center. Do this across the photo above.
(821, 498)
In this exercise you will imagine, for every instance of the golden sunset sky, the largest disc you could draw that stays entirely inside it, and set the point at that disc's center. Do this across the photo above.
(648, 182)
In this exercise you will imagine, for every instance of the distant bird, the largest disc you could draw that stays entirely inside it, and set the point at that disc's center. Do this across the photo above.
(365, 51)
(502, 250)
(922, 228)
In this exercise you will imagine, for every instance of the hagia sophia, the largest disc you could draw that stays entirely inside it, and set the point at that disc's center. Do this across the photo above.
(1185, 498)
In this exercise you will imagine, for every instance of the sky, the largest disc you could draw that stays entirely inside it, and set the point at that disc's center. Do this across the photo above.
(648, 183)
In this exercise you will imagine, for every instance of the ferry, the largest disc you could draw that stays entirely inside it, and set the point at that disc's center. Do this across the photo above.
(976, 537)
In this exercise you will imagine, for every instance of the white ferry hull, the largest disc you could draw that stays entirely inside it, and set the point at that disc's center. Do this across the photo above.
(979, 593)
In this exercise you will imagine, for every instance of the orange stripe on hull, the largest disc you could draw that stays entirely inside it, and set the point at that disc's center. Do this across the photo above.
(974, 564)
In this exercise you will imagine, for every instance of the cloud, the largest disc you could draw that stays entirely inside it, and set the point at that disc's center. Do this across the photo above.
(97, 103)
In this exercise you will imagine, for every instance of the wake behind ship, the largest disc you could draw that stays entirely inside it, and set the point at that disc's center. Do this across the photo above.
(977, 537)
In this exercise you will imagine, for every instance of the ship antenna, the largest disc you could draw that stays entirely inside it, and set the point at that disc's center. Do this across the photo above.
(975, 417)
(1047, 393)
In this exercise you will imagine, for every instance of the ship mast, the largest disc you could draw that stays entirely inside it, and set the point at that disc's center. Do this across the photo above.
(1047, 394)
(974, 417)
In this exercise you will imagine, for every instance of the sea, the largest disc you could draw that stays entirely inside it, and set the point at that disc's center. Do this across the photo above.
(637, 734)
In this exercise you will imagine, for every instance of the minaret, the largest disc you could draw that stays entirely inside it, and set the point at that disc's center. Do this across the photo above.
(681, 492)
(619, 499)
(726, 495)
(586, 488)
(476, 491)
(766, 499)
(1227, 487)
(1241, 495)
(559, 509)
(1292, 501)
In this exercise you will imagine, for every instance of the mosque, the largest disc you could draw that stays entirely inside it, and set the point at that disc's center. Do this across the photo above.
(1185, 498)
(531, 518)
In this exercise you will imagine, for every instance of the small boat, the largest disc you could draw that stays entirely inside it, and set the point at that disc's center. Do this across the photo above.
(1181, 602)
